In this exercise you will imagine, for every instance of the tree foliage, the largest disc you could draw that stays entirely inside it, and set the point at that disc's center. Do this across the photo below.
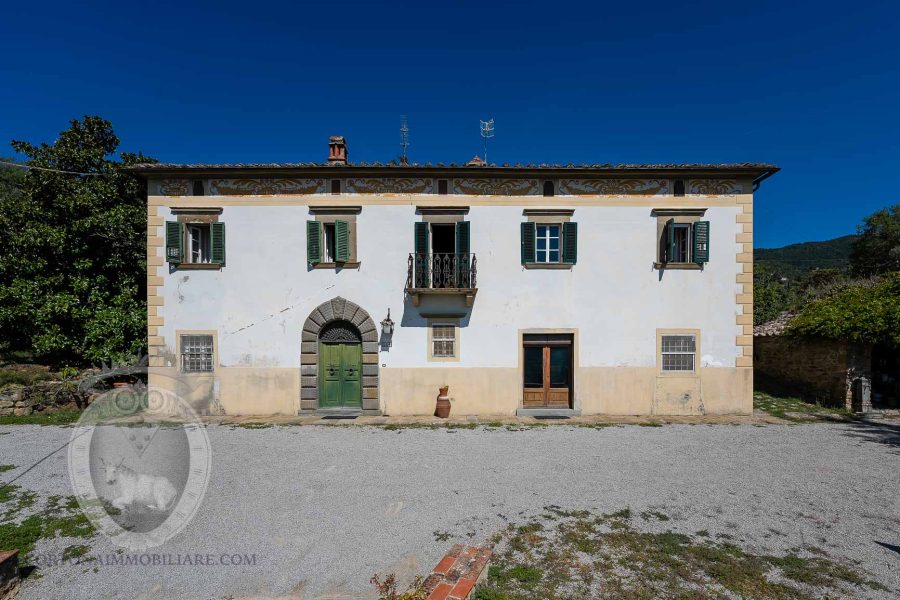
(860, 313)
(877, 249)
(73, 249)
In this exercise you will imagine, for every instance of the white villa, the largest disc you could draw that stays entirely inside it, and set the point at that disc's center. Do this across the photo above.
(540, 289)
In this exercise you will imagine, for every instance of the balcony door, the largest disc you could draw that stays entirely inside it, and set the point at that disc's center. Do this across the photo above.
(548, 371)
(443, 255)
(442, 258)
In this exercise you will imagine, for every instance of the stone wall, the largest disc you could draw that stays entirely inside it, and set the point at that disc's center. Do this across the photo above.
(814, 369)
(45, 396)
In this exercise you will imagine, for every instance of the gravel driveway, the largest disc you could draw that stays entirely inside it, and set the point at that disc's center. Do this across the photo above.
(324, 508)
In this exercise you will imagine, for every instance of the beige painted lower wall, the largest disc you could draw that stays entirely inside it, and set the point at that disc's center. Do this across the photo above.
(495, 391)
(598, 390)
(234, 390)
(473, 391)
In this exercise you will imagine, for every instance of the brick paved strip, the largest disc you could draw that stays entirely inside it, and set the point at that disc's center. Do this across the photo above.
(457, 574)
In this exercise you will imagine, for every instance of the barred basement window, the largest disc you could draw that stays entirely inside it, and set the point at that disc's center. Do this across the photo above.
(678, 353)
(443, 338)
(197, 353)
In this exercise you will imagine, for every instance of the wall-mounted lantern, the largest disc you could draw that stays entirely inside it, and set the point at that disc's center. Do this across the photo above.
(387, 326)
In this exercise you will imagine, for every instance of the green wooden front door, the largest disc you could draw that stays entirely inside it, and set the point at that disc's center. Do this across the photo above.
(340, 367)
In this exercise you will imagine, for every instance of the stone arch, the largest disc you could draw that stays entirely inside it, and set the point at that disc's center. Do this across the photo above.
(338, 309)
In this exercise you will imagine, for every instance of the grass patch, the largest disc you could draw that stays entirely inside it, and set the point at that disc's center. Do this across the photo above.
(250, 425)
(650, 424)
(654, 514)
(5, 468)
(441, 536)
(62, 417)
(582, 555)
(58, 516)
(798, 411)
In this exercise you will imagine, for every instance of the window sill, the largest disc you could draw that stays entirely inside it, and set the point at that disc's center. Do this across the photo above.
(199, 267)
(678, 266)
(336, 265)
(551, 266)
(443, 359)
(679, 374)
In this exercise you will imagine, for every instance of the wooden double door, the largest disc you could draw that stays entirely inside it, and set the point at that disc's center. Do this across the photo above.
(340, 375)
(547, 371)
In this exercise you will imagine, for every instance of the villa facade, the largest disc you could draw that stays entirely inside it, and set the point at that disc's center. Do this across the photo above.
(360, 288)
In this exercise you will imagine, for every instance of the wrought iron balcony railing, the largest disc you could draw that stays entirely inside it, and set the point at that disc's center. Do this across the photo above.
(451, 271)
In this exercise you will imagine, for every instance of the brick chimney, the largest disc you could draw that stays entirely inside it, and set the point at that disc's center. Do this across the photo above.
(337, 150)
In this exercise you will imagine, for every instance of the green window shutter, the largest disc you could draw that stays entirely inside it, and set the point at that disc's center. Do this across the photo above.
(342, 241)
(463, 260)
(670, 240)
(313, 242)
(462, 237)
(174, 242)
(701, 242)
(570, 243)
(420, 248)
(421, 235)
(217, 243)
(528, 235)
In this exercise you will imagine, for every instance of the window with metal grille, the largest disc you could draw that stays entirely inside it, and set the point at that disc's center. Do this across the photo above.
(197, 353)
(678, 352)
(443, 339)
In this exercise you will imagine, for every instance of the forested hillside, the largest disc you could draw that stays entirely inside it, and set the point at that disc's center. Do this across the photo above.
(796, 259)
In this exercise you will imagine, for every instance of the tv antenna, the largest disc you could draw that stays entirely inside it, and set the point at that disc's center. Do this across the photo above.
(487, 132)
(404, 139)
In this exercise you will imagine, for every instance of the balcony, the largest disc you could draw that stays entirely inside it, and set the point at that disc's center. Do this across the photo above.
(446, 274)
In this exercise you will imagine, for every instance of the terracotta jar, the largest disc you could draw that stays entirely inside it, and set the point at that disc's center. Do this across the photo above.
(442, 410)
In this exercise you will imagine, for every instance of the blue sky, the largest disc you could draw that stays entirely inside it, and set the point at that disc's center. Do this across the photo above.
(811, 86)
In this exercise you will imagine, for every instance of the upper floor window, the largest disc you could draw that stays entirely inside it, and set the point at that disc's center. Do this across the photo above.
(330, 241)
(682, 238)
(685, 242)
(195, 242)
(198, 188)
(199, 247)
(335, 186)
(679, 187)
(442, 187)
(547, 244)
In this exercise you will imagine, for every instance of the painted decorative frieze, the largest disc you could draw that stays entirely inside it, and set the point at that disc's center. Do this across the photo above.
(175, 187)
(388, 185)
(496, 187)
(715, 187)
(613, 187)
(265, 187)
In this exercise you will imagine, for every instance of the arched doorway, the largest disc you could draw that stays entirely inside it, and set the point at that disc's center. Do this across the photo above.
(362, 328)
(340, 366)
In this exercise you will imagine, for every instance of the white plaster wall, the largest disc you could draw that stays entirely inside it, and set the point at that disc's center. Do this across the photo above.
(259, 301)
